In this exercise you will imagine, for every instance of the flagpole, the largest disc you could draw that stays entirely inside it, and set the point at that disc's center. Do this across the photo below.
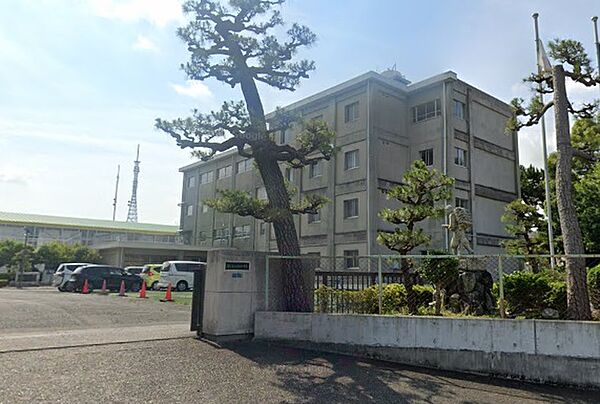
(595, 22)
(545, 149)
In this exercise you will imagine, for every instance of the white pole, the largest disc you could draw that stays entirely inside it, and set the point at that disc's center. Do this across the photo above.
(596, 42)
(545, 149)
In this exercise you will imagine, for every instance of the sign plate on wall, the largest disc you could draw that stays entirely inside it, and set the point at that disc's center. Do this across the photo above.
(237, 266)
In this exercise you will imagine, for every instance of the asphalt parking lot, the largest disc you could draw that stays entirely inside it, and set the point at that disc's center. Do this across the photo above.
(67, 348)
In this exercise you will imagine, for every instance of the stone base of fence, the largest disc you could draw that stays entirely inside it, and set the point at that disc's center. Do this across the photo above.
(535, 350)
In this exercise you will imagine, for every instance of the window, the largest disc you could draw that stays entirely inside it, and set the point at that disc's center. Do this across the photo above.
(461, 203)
(204, 208)
(289, 174)
(427, 110)
(241, 231)
(351, 112)
(351, 259)
(205, 178)
(263, 228)
(459, 109)
(351, 160)
(224, 172)
(314, 217)
(350, 208)
(191, 182)
(282, 137)
(190, 210)
(427, 156)
(221, 234)
(243, 166)
(315, 169)
(460, 157)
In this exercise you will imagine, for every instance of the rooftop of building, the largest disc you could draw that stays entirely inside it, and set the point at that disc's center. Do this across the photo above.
(391, 78)
(28, 219)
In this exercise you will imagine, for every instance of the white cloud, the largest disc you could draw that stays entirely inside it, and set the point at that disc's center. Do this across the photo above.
(144, 43)
(157, 12)
(10, 174)
(192, 88)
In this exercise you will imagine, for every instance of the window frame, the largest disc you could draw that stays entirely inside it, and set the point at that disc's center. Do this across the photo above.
(351, 112)
(191, 181)
(351, 258)
(206, 178)
(460, 109)
(314, 218)
(227, 169)
(311, 169)
(467, 204)
(457, 157)
(425, 153)
(347, 202)
(354, 152)
(189, 210)
(426, 114)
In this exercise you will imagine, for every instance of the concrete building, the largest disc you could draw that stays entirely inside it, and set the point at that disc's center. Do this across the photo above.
(382, 123)
(119, 243)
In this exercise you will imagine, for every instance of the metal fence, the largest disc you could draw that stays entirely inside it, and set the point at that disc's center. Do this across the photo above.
(426, 284)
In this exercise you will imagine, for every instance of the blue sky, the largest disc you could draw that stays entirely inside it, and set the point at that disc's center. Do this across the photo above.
(81, 82)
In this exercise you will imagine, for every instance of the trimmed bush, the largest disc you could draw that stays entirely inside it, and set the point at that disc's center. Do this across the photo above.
(3, 283)
(593, 279)
(423, 294)
(366, 301)
(528, 293)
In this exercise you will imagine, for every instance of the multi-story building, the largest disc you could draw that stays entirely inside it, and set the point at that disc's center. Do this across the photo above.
(382, 123)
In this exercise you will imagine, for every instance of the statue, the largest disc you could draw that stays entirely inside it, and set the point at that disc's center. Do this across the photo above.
(459, 224)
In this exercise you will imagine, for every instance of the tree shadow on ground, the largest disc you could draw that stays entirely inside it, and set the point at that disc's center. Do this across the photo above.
(316, 377)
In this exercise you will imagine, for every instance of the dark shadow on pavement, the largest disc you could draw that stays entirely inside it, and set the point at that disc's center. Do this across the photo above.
(315, 377)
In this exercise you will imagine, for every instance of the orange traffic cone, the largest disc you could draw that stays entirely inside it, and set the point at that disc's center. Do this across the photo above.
(143, 290)
(86, 287)
(103, 290)
(168, 297)
(122, 289)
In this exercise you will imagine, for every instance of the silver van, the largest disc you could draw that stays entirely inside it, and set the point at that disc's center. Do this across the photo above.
(63, 274)
(180, 274)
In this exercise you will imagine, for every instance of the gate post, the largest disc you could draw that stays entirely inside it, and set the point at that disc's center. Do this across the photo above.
(198, 301)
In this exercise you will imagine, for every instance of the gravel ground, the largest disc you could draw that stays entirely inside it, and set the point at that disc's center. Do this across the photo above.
(191, 371)
(46, 308)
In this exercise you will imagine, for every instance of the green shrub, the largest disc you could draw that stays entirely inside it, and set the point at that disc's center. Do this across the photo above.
(3, 283)
(423, 295)
(366, 301)
(5, 276)
(528, 293)
(593, 279)
(439, 271)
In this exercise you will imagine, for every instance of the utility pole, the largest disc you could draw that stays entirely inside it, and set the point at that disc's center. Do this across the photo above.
(544, 147)
(116, 192)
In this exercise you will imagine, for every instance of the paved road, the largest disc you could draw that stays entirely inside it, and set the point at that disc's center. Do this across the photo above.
(62, 347)
(33, 309)
(191, 371)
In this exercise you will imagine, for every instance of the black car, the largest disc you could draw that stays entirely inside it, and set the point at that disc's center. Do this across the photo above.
(97, 274)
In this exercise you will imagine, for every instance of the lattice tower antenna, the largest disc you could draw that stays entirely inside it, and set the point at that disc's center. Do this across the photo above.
(132, 215)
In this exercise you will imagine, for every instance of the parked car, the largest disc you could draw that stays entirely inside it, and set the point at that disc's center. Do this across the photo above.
(63, 273)
(134, 270)
(97, 274)
(151, 275)
(179, 274)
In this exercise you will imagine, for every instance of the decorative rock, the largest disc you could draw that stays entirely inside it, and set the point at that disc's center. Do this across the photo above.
(550, 314)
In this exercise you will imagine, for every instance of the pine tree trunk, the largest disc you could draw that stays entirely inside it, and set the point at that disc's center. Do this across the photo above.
(294, 290)
(578, 304)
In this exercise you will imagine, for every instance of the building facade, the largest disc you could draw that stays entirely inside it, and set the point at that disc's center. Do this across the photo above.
(41, 229)
(382, 123)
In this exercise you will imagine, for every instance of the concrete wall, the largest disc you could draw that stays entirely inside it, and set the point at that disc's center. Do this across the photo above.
(537, 350)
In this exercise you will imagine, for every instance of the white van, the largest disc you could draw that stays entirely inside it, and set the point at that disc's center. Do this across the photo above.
(180, 274)
(63, 274)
